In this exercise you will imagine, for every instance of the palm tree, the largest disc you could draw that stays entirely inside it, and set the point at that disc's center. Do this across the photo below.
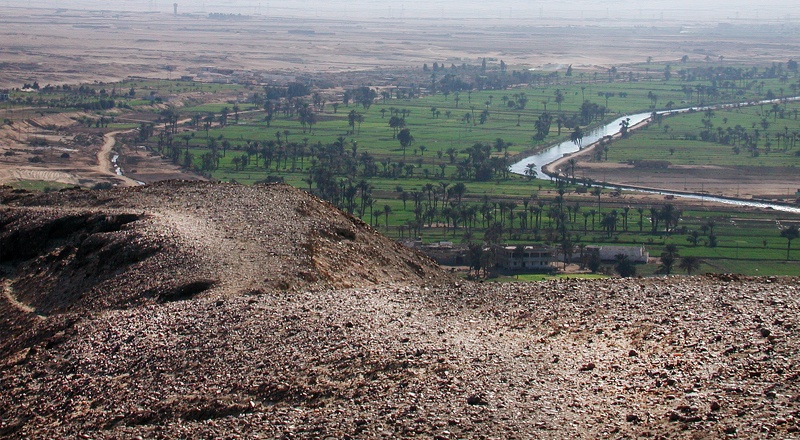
(386, 211)
(458, 190)
(670, 216)
(351, 121)
(667, 261)
(405, 138)
(609, 223)
(577, 136)
(359, 121)
(559, 98)
(624, 267)
(789, 234)
(640, 210)
(625, 212)
(567, 249)
(396, 123)
(690, 264)
(571, 164)
(530, 171)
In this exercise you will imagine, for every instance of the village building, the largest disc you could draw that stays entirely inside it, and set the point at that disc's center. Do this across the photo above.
(525, 258)
(635, 254)
(445, 253)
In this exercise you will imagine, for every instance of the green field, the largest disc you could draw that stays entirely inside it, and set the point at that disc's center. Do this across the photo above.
(748, 136)
(38, 185)
(449, 181)
(540, 277)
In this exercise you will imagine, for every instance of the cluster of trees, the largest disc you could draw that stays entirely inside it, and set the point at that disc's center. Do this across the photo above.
(100, 104)
(99, 122)
(363, 96)
(222, 16)
(756, 140)
(291, 90)
(704, 235)
(738, 76)
(729, 79)
(65, 96)
(670, 258)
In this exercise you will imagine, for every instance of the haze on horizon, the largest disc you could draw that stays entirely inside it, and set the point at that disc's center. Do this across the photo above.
(581, 11)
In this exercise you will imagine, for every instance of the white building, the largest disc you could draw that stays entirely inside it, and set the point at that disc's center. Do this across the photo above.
(525, 258)
(635, 254)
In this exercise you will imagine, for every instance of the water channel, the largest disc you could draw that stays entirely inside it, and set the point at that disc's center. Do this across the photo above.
(568, 147)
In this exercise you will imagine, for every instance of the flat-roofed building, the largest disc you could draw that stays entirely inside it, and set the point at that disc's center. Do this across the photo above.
(525, 258)
(635, 254)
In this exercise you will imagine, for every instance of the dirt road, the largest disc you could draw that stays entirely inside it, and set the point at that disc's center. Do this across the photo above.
(104, 165)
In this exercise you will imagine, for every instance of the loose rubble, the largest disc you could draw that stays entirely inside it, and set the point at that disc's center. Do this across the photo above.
(394, 350)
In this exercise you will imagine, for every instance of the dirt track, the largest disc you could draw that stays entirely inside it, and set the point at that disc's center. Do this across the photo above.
(104, 165)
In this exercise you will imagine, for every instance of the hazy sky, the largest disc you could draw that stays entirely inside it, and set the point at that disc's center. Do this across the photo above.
(581, 11)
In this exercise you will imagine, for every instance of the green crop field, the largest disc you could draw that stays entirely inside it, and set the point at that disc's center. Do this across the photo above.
(751, 136)
(448, 179)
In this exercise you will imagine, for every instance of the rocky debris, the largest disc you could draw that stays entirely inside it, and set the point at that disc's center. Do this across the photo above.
(175, 240)
(477, 399)
(672, 358)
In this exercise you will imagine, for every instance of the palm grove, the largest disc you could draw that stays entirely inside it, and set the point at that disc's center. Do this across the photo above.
(413, 188)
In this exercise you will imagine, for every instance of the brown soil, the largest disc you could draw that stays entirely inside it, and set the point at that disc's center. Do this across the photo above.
(54, 147)
(199, 310)
(739, 182)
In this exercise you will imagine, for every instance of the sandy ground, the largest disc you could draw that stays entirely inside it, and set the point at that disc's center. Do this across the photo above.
(62, 47)
(72, 155)
(75, 155)
(773, 183)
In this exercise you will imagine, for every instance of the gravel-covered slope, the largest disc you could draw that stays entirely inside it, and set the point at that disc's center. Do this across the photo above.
(704, 357)
(174, 240)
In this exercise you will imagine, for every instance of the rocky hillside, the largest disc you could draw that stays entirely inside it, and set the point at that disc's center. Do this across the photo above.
(204, 310)
(175, 240)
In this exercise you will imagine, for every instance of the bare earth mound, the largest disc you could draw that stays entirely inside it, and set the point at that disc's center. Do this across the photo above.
(201, 310)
